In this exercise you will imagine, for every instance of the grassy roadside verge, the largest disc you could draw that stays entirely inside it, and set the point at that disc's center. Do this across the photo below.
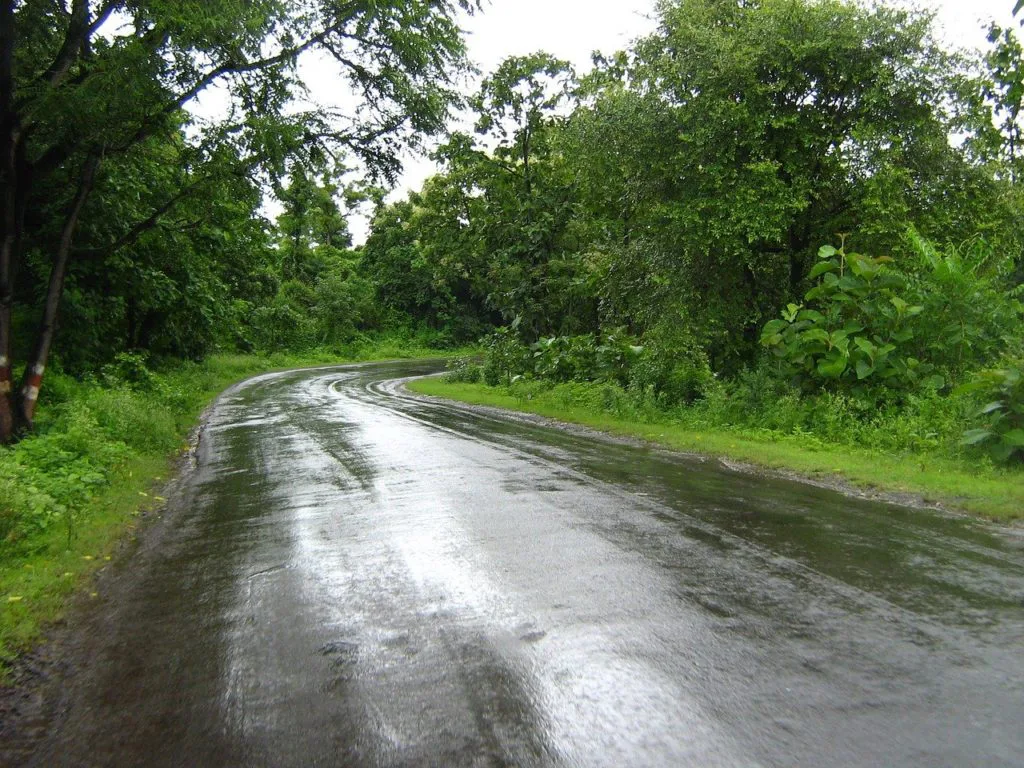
(997, 494)
(70, 493)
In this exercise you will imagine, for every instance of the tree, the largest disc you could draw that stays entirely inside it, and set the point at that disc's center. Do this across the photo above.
(86, 81)
(312, 230)
(769, 127)
(526, 193)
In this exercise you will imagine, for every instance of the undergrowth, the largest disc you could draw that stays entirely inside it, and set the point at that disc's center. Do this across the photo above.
(102, 441)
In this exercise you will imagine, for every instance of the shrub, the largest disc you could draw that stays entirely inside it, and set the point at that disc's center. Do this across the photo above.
(505, 357)
(565, 358)
(971, 318)
(672, 365)
(128, 368)
(463, 369)
(1002, 415)
(857, 331)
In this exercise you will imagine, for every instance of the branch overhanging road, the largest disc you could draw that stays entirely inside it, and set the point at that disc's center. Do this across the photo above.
(355, 576)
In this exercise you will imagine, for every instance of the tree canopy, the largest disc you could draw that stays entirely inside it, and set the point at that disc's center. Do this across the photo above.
(92, 94)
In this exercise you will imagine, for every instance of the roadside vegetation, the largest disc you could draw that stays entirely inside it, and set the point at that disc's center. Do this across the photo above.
(103, 447)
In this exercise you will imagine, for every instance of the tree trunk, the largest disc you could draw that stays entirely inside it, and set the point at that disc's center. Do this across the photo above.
(9, 142)
(7, 248)
(36, 365)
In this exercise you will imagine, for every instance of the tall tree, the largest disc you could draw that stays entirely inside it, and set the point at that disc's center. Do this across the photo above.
(775, 125)
(82, 81)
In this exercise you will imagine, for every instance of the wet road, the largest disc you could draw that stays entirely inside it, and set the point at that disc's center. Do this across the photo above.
(360, 577)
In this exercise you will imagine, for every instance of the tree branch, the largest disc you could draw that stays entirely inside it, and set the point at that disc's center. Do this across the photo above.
(76, 35)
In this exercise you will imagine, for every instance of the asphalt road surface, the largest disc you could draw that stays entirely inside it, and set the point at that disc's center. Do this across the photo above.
(355, 576)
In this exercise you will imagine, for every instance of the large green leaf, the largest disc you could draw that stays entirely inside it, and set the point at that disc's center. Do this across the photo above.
(833, 366)
(817, 334)
(1014, 437)
(866, 346)
(975, 436)
(821, 268)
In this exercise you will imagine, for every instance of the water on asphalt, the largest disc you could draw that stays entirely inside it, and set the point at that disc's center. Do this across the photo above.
(356, 576)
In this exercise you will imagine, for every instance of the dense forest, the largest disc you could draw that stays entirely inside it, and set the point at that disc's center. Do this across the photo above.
(804, 217)
(801, 216)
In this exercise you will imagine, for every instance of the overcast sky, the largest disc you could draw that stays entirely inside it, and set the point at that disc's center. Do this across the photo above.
(572, 29)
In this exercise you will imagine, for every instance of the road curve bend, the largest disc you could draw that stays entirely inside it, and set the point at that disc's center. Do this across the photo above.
(354, 576)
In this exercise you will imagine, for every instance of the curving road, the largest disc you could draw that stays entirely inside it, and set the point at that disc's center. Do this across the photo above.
(355, 576)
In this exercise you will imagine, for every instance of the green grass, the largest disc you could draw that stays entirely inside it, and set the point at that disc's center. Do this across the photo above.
(956, 483)
(125, 437)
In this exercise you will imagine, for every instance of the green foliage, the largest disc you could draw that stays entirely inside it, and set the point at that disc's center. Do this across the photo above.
(672, 365)
(970, 318)
(47, 479)
(464, 370)
(166, 235)
(128, 368)
(505, 357)
(876, 330)
(564, 358)
(1002, 415)
(700, 186)
(856, 329)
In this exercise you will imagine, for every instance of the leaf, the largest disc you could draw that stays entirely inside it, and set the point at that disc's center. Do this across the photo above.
(812, 315)
(821, 268)
(1001, 452)
(1014, 437)
(975, 436)
(817, 334)
(827, 251)
(864, 369)
(832, 367)
(993, 406)
(815, 292)
(866, 346)
(971, 386)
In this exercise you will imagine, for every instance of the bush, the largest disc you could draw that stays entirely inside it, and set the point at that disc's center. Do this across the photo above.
(672, 365)
(52, 476)
(463, 370)
(878, 331)
(128, 368)
(505, 357)
(971, 318)
(1002, 415)
(565, 358)
(857, 332)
